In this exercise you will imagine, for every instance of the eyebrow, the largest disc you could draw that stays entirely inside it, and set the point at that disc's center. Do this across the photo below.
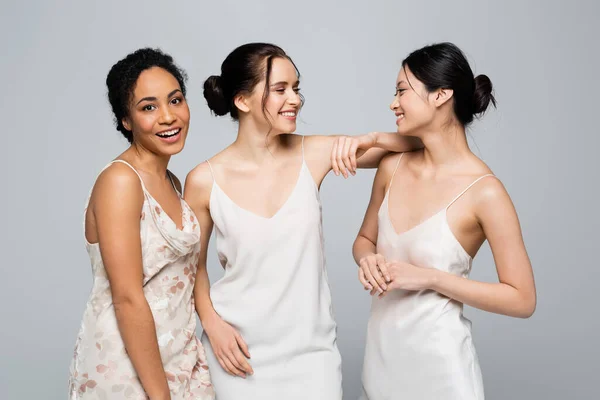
(285, 83)
(399, 83)
(152, 98)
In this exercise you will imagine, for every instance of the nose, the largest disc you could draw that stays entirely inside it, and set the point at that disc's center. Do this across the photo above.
(294, 99)
(167, 117)
(394, 104)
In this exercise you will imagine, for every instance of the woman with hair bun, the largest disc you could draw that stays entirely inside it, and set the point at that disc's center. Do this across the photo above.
(430, 211)
(269, 331)
(137, 338)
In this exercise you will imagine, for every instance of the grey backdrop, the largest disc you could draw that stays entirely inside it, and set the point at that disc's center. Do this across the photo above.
(542, 142)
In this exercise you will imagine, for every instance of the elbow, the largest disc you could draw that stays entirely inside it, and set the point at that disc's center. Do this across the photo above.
(528, 312)
(526, 307)
(129, 302)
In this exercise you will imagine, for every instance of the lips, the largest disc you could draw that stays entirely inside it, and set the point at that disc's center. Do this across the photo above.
(399, 118)
(169, 133)
(290, 114)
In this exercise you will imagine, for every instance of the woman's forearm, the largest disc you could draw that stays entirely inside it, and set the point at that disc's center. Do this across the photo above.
(499, 298)
(203, 303)
(376, 145)
(395, 143)
(136, 325)
(362, 247)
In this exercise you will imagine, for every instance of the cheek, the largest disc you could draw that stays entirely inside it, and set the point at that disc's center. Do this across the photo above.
(144, 122)
(184, 113)
(415, 108)
(407, 104)
(274, 103)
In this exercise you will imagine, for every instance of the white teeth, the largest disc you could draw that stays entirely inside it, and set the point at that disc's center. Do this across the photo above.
(170, 133)
(288, 114)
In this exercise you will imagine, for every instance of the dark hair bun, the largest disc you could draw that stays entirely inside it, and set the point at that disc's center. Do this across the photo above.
(213, 93)
(482, 97)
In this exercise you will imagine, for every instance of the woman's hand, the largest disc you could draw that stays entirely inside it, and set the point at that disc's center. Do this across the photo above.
(345, 151)
(408, 277)
(373, 273)
(228, 346)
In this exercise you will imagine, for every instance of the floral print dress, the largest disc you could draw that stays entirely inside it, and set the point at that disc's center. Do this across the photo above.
(101, 368)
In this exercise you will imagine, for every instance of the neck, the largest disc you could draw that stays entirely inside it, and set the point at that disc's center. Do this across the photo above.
(147, 161)
(256, 144)
(445, 147)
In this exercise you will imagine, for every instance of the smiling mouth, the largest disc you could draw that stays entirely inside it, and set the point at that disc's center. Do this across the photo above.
(168, 134)
(289, 114)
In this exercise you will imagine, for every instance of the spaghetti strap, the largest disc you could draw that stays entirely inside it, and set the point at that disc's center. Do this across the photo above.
(212, 172)
(87, 202)
(394, 173)
(170, 175)
(467, 188)
(130, 166)
(303, 148)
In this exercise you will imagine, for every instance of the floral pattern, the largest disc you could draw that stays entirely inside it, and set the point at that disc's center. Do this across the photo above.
(100, 368)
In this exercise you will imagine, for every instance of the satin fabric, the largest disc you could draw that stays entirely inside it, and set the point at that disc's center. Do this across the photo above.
(419, 345)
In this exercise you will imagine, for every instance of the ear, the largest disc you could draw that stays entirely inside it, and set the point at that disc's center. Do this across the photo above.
(241, 103)
(442, 96)
(126, 123)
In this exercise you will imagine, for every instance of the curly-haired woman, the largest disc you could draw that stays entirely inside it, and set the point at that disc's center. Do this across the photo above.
(137, 338)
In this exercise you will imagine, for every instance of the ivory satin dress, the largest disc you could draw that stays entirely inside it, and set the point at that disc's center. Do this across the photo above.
(419, 344)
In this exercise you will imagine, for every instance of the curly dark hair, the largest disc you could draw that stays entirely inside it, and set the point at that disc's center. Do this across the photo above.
(122, 77)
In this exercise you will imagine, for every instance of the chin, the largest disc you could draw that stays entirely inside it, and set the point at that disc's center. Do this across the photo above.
(281, 129)
(402, 131)
(172, 149)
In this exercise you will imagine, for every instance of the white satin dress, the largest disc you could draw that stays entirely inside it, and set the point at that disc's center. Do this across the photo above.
(419, 344)
(276, 294)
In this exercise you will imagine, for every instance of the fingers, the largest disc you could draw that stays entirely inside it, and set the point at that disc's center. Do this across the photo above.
(340, 156)
(353, 150)
(229, 349)
(334, 164)
(347, 156)
(383, 267)
(231, 368)
(242, 363)
(228, 367)
(343, 155)
(376, 273)
(363, 280)
(391, 286)
(242, 344)
(224, 366)
(241, 351)
(371, 274)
